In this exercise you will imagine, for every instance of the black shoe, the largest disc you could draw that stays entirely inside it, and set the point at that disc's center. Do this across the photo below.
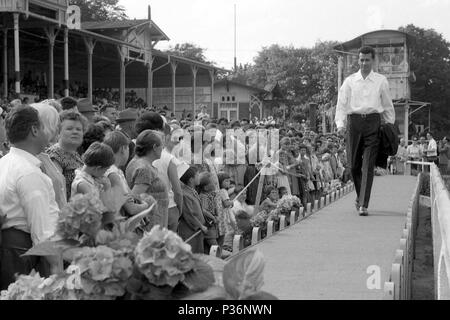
(363, 212)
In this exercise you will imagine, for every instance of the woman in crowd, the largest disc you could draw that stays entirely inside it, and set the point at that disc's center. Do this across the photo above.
(50, 120)
(64, 153)
(144, 179)
(444, 156)
(167, 167)
(192, 220)
(94, 133)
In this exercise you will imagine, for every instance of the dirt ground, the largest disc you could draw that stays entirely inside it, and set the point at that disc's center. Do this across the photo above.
(423, 273)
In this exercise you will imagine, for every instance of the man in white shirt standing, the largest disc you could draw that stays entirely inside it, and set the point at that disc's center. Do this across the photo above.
(28, 209)
(363, 102)
(431, 151)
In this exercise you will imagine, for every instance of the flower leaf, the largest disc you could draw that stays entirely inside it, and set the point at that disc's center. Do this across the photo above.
(261, 295)
(216, 264)
(243, 274)
(51, 248)
(212, 293)
(200, 278)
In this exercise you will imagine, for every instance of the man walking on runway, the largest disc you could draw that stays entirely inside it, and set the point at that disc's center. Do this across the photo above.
(363, 103)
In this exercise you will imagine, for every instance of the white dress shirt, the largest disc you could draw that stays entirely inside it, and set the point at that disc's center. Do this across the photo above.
(432, 148)
(364, 96)
(27, 197)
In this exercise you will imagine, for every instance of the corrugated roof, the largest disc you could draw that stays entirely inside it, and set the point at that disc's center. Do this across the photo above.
(356, 42)
(98, 26)
(121, 24)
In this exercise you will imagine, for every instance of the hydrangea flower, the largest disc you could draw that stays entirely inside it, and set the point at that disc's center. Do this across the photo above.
(26, 287)
(83, 214)
(163, 257)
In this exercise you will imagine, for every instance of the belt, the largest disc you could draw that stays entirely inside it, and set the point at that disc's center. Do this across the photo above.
(364, 115)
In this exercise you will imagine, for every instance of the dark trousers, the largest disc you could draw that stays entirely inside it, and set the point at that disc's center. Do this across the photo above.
(14, 243)
(362, 147)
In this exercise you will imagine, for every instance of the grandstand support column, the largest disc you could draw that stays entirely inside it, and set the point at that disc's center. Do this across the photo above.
(150, 82)
(211, 76)
(173, 68)
(194, 70)
(66, 62)
(406, 123)
(122, 55)
(5, 62)
(90, 45)
(51, 36)
(16, 52)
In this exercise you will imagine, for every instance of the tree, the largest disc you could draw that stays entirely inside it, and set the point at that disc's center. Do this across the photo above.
(100, 10)
(190, 51)
(430, 61)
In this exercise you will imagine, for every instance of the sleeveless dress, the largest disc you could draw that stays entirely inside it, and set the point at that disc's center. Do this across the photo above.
(140, 171)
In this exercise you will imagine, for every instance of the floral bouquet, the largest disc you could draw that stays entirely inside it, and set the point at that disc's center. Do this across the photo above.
(259, 219)
(82, 215)
(287, 203)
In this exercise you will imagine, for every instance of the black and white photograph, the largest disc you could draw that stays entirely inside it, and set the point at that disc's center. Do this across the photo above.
(213, 152)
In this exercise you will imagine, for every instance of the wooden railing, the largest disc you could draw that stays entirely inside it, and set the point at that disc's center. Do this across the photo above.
(398, 286)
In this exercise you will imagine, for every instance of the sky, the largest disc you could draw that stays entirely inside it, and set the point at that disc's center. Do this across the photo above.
(300, 23)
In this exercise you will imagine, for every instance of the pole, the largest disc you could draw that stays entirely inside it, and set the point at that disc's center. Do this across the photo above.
(235, 59)
(211, 75)
(194, 70)
(122, 77)
(51, 36)
(90, 45)
(66, 62)
(5, 63)
(406, 122)
(16, 53)
(150, 83)
(173, 68)
(340, 67)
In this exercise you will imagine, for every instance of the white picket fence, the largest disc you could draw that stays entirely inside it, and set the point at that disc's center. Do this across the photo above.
(399, 285)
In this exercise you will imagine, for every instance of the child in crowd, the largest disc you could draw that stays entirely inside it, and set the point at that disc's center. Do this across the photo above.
(272, 197)
(90, 179)
(207, 196)
(119, 144)
(224, 205)
(192, 219)
(286, 163)
(282, 192)
(243, 227)
(239, 204)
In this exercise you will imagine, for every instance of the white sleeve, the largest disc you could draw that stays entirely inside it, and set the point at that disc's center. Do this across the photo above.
(35, 199)
(342, 104)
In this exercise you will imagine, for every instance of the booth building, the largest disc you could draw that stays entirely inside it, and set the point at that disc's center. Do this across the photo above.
(392, 49)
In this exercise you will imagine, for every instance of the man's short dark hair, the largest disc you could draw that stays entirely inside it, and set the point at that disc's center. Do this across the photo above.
(367, 50)
(149, 121)
(235, 124)
(223, 120)
(106, 106)
(19, 123)
(68, 103)
(116, 140)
